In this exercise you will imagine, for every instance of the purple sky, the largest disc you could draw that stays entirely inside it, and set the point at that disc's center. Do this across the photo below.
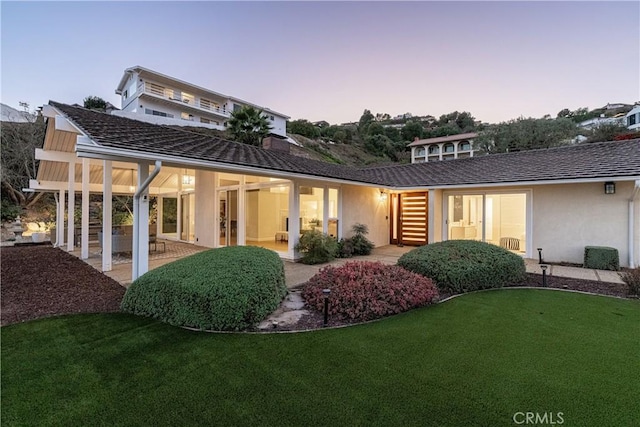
(329, 60)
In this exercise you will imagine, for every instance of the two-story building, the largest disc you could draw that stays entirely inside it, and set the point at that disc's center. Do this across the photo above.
(160, 99)
(442, 148)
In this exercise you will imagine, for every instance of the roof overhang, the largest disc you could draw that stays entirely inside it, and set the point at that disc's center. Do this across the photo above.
(108, 153)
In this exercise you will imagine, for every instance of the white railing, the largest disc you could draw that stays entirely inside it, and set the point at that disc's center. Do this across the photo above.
(184, 98)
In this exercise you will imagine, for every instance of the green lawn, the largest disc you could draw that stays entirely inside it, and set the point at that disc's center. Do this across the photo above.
(475, 360)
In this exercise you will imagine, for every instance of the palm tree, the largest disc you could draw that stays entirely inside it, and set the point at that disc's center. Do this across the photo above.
(248, 125)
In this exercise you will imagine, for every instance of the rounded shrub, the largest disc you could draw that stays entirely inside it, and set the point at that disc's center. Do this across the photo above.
(317, 247)
(365, 290)
(465, 265)
(229, 288)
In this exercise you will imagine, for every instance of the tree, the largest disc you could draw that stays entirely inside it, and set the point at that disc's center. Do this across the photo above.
(607, 132)
(412, 130)
(303, 127)
(526, 134)
(375, 129)
(95, 103)
(393, 134)
(18, 142)
(365, 120)
(248, 125)
(464, 121)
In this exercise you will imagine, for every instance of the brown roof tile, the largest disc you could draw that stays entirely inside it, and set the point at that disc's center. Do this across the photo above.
(583, 161)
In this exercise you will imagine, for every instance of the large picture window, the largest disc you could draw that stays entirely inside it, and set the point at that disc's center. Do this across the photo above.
(497, 218)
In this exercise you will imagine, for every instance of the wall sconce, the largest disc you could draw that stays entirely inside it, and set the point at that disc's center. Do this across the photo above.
(610, 187)
(383, 196)
(188, 179)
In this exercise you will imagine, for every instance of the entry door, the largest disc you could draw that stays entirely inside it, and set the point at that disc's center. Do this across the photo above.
(409, 216)
(228, 217)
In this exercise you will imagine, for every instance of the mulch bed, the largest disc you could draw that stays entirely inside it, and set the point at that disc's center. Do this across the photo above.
(41, 281)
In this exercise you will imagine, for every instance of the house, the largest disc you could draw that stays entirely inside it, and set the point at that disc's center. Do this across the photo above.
(157, 98)
(213, 192)
(596, 122)
(442, 148)
(632, 119)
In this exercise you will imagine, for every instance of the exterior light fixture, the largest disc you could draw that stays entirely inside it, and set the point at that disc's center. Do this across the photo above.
(544, 274)
(383, 196)
(188, 179)
(539, 255)
(610, 187)
(326, 293)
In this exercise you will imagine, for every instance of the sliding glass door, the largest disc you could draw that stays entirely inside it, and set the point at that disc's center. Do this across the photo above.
(497, 218)
(228, 219)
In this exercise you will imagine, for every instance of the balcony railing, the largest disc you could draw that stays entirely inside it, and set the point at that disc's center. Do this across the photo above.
(184, 99)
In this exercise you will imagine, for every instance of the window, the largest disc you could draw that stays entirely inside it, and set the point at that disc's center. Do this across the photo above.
(448, 148)
(186, 116)
(420, 152)
(203, 120)
(464, 146)
(434, 149)
(236, 107)
(125, 94)
(157, 113)
(271, 118)
(631, 120)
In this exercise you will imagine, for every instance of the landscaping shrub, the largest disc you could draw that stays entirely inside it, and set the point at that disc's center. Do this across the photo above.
(632, 280)
(317, 247)
(601, 258)
(361, 245)
(345, 248)
(465, 265)
(229, 288)
(365, 290)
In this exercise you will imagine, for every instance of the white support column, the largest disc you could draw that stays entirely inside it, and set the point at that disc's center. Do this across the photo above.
(71, 207)
(60, 220)
(107, 180)
(140, 252)
(325, 209)
(84, 240)
(242, 219)
(431, 217)
(294, 217)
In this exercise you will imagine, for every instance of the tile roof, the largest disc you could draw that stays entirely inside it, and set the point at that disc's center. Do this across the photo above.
(128, 134)
(583, 161)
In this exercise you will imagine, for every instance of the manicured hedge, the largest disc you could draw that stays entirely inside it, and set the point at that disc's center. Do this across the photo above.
(229, 288)
(465, 265)
(365, 290)
(601, 258)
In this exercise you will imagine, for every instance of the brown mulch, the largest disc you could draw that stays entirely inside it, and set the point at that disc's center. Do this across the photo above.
(42, 281)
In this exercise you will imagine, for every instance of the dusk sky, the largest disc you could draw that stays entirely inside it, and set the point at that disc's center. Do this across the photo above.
(331, 60)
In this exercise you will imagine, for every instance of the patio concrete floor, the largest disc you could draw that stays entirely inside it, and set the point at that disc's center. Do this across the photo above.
(298, 273)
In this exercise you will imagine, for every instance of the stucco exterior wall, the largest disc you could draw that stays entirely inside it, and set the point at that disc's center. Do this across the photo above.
(206, 216)
(566, 218)
(363, 205)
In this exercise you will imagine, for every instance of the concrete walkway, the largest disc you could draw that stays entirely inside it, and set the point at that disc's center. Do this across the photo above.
(297, 273)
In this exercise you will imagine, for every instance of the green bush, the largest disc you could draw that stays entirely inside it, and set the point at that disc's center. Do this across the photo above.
(9, 211)
(601, 258)
(361, 245)
(345, 248)
(229, 288)
(632, 279)
(465, 265)
(317, 247)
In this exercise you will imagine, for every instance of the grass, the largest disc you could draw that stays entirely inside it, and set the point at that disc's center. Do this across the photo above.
(474, 360)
